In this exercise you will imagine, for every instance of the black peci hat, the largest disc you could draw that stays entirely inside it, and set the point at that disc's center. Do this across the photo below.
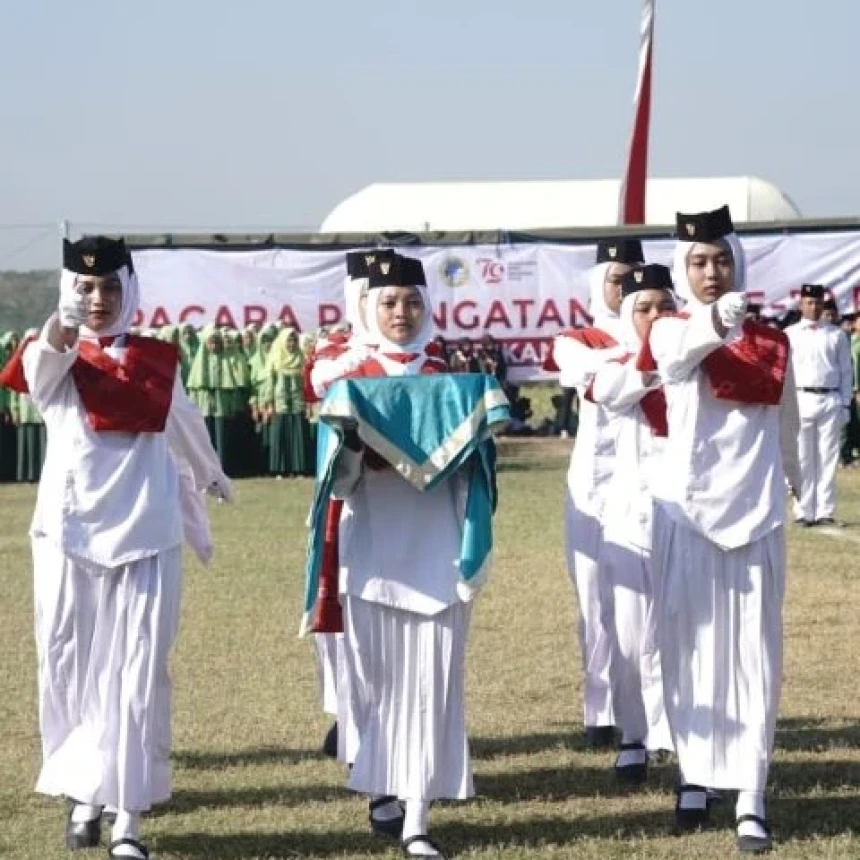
(628, 251)
(704, 226)
(95, 255)
(358, 263)
(651, 277)
(812, 291)
(398, 271)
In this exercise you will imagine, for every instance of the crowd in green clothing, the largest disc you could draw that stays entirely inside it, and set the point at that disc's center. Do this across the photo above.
(248, 387)
(247, 384)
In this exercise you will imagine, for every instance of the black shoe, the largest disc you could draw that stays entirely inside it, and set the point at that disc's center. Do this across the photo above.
(804, 523)
(754, 844)
(142, 852)
(600, 737)
(329, 746)
(427, 841)
(635, 773)
(83, 834)
(392, 827)
(828, 521)
(687, 820)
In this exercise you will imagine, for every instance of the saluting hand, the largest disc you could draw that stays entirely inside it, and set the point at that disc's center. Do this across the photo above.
(73, 309)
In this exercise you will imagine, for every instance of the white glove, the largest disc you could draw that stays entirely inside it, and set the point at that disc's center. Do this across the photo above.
(73, 309)
(221, 489)
(732, 308)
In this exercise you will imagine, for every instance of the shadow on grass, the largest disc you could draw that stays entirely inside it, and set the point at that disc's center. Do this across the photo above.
(799, 820)
(191, 800)
(213, 759)
(456, 836)
(499, 747)
(558, 784)
(812, 734)
(273, 846)
(803, 777)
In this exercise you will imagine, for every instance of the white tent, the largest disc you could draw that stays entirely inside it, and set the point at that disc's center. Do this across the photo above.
(425, 206)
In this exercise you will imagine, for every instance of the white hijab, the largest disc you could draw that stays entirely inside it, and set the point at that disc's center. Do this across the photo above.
(353, 290)
(129, 307)
(419, 342)
(604, 317)
(679, 268)
(628, 337)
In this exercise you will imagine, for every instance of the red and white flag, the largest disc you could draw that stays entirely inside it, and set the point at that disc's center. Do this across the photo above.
(632, 198)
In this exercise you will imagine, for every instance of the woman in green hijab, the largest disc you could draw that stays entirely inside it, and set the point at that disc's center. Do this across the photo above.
(212, 386)
(290, 453)
(173, 334)
(262, 396)
(189, 345)
(242, 439)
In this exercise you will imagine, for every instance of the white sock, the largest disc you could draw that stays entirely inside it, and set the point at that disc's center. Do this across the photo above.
(628, 757)
(83, 812)
(415, 824)
(750, 803)
(693, 800)
(126, 826)
(388, 811)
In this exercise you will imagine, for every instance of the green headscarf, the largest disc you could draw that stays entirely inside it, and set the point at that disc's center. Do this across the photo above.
(211, 369)
(283, 358)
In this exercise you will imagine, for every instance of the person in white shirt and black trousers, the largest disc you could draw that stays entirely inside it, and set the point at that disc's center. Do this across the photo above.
(821, 357)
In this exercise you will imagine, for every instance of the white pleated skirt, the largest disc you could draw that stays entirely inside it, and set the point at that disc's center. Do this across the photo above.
(407, 684)
(583, 548)
(326, 647)
(720, 634)
(631, 617)
(103, 640)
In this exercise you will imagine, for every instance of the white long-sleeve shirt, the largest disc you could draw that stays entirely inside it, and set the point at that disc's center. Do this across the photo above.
(725, 465)
(619, 389)
(110, 498)
(592, 461)
(821, 358)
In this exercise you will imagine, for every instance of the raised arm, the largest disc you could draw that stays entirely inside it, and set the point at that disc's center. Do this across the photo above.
(578, 362)
(619, 385)
(680, 346)
(47, 362)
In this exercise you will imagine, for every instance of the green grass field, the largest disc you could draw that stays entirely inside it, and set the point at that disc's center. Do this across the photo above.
(250, 783)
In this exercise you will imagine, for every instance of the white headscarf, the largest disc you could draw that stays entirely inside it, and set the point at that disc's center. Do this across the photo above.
(128, 308)
(679, 268)
(418, 343)
(604, 317)
(628, 337)
(353, 290)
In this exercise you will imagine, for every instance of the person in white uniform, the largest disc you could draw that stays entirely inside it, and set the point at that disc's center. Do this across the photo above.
(406, 609)
(821, 357)
(638, 402)
(336, 357)
(718, 542)
(106, 535)
(577, 354)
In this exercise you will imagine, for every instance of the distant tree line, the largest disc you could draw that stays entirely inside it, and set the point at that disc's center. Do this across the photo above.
(27, 298)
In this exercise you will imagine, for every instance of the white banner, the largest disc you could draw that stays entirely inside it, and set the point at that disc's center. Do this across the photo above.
(521, 294)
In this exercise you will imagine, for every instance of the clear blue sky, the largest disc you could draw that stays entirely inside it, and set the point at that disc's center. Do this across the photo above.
(266, 113)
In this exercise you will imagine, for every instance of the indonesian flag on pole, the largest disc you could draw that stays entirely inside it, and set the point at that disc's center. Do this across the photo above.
(632, 199)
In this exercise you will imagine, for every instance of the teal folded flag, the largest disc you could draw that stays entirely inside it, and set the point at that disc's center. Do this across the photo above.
(427, 427)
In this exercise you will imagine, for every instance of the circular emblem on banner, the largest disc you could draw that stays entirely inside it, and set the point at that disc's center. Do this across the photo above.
(454, 271)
